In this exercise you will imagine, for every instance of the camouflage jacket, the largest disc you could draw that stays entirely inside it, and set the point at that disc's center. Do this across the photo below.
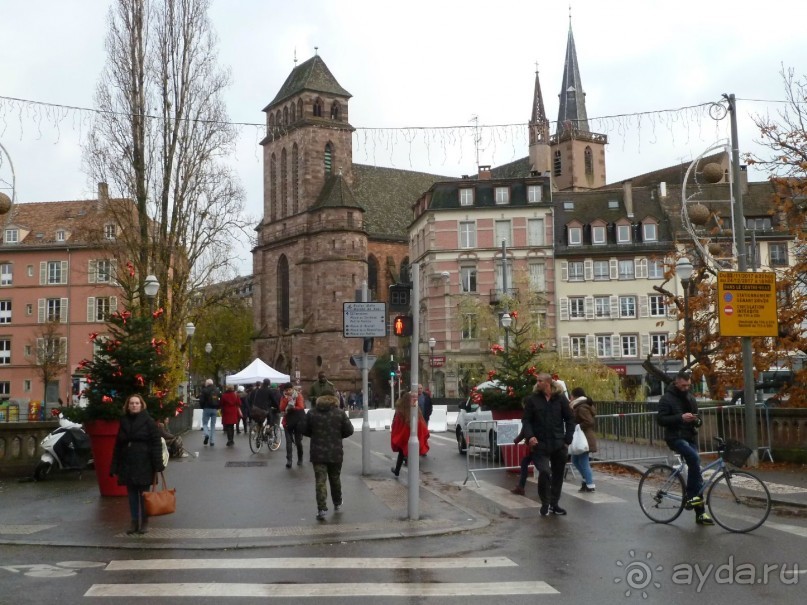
(326, 425)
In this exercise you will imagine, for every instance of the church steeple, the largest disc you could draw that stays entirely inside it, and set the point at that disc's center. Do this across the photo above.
(572, 107)
(539, 131)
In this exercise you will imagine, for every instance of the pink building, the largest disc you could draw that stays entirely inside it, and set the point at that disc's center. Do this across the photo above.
(57, 285)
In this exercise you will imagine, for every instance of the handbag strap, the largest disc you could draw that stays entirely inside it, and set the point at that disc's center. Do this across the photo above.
(154, 484)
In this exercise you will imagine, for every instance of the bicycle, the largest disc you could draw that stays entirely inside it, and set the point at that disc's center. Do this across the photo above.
(738, 501)
(261, 432)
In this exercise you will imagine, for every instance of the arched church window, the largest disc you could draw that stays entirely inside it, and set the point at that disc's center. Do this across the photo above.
(300, 109)
(318, 108)
(405, 277)
(285, 116)
(335, 111)
(295, 180)
(273, 188)
(328, 159)
(282, 292)
(588, 157)
(284, 185)
(372, 274)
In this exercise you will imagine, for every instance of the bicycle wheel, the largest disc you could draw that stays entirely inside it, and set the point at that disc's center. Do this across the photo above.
(739, 501)
(661, 493)
(275, 438)
(255, 437)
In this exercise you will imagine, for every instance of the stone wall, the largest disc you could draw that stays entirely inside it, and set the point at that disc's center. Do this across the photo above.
(19, 446)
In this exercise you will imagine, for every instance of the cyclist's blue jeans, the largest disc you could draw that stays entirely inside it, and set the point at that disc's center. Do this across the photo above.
(689, 452)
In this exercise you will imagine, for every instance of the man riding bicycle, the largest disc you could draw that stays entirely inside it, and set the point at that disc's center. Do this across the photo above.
(266, 404)
(678, 414)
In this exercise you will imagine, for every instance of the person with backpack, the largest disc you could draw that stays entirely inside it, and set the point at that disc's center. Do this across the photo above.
(209, 402)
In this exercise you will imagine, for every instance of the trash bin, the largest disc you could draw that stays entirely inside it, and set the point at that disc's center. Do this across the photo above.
(13, 412)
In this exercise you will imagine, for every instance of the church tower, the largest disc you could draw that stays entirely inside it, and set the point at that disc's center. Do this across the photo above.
(540, 153)
(578, 155)
(311, 249)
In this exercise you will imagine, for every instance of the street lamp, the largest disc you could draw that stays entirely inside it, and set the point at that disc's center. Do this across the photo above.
(208, 350)
(507, 321)
(432, 344)
(151, 286)
(683, 269)
(190, 329)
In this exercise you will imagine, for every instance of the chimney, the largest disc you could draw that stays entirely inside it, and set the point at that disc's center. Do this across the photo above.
(744, 178)
(103, 193)
(627, 191)
(484, 173)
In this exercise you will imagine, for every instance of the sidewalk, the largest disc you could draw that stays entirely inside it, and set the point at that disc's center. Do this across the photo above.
(228, 498)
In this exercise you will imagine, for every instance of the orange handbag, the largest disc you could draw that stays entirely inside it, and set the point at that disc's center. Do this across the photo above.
(162, 502)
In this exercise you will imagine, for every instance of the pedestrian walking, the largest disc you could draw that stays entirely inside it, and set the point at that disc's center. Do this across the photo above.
(292, 406)
(326, 425)
(230, 409)
(242, 396)
(400, 431)
(548, 425)
(585, 414)
(209, 402)
(524, 471)
(137, 456)
(425, 403)
(322, 386)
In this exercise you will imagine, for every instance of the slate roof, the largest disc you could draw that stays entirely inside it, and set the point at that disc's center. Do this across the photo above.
(82, 221)
(387, 196)
(672, 175)
(572, 106)
(445, 195)
(312, 75)
(336, 194)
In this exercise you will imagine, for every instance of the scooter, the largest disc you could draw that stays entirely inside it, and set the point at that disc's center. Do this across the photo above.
(67, 447)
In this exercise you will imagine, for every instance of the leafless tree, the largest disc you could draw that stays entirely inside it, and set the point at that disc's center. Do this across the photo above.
(50, 359)
(160, 142)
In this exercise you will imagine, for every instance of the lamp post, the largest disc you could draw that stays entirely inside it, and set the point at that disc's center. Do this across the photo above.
(189, 331)
(683, 269)
(507, 321)
(432, 344)
(208, 351)
(151, 286)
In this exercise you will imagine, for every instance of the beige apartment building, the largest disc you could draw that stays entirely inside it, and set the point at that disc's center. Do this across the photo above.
(57, 285)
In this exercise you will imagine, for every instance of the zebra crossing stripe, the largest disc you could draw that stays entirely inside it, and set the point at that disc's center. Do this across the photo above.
(287, 591)
(311, 563)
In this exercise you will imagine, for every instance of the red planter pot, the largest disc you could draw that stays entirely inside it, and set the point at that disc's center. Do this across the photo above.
(102, 440)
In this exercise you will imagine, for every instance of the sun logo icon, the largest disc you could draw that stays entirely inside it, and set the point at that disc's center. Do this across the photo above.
(638, 574)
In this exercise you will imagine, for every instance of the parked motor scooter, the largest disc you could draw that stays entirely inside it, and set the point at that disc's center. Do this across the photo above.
(67, 447)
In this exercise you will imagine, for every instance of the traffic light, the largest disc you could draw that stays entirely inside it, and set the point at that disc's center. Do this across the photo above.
(402, 325)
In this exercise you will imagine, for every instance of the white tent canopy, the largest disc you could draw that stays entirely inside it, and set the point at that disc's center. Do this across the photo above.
(256, 372)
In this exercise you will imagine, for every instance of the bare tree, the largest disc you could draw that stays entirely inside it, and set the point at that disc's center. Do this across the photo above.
(50, 360)
(159, 141)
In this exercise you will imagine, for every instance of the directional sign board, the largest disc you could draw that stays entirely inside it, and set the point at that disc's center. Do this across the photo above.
(364, 319)
(746, 302)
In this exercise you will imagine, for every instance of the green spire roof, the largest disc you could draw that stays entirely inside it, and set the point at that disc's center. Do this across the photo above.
(312, 75)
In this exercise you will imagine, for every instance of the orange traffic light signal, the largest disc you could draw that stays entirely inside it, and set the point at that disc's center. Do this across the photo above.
(402, 325)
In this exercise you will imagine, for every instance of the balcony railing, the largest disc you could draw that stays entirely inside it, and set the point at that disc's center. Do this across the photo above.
(497, 295)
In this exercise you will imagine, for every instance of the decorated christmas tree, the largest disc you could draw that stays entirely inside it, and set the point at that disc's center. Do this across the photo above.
(128, 360)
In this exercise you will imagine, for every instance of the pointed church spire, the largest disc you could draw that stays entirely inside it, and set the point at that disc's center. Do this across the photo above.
(572, 107)
(539, 130)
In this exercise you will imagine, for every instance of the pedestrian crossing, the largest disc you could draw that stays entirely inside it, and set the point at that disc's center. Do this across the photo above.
(505, 498)
(322, 590)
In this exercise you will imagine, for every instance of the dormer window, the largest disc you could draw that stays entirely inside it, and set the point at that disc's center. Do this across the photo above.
(575, 236)
(502, 195)
(534, 194)
(650, 232)
(12, 236)
(60, 235)
(466, 197)
(110, 231)
(623, 234)
(598, 235)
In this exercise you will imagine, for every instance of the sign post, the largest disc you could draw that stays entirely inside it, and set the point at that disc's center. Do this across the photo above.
(747, 303)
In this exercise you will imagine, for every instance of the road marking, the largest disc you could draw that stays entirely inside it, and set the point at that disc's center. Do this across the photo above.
(796, 530)
(503, 496)
(312, 563)
(289, 591)
(23, 529)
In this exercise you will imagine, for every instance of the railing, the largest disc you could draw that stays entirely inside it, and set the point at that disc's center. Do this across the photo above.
(498, 294)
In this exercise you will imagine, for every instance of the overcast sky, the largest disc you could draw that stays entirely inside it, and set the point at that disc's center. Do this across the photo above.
(417, 64)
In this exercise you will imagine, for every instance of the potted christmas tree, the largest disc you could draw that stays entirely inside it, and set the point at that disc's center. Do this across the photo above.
(128, 360)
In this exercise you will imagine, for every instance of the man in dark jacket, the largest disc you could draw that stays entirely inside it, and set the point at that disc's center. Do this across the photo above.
(548, 425)
(678, 414)
(327, 425)
(209, 402)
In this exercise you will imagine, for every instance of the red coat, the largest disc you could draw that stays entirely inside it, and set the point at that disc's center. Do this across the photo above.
(399, 435)
(230, 404)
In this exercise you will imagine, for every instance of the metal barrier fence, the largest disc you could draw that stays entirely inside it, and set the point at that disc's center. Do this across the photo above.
(621, 437)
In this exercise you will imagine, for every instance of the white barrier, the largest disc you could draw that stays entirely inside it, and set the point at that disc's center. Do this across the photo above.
(438, 422)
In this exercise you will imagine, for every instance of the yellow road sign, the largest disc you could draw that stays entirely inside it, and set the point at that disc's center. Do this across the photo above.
(746, 303)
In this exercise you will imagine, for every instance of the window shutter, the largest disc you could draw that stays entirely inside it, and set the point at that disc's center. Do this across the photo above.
(564, 309)
(564, 271)
(641, 268)
(64, 272)
(92, 272)
(613, 268)
(63, 311)
(644, 310)
(614, 307)
(616, 346)
(63, 350)
(591, 346)
(41, 311)
(43, 273)
(564, 346)
(113, 304)
(644, 339)
(588, 269)
(589, 307)
(90, 308)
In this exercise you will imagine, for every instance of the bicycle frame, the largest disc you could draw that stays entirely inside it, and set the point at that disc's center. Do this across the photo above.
(718, 465)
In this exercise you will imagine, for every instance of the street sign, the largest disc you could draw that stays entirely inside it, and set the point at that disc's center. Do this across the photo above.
(438, 361)
(358, 361)
(364, 319)
(746, 303)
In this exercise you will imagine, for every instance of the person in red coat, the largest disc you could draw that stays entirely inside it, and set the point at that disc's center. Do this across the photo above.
(230, 408)
(399, 435)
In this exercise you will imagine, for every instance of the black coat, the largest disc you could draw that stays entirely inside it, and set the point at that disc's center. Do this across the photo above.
(138, 450)
(671, 407)
(550, 421)
(209, 398)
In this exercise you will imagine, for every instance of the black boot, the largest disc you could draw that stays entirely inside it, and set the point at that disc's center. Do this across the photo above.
(133, 527)
(144, 526)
